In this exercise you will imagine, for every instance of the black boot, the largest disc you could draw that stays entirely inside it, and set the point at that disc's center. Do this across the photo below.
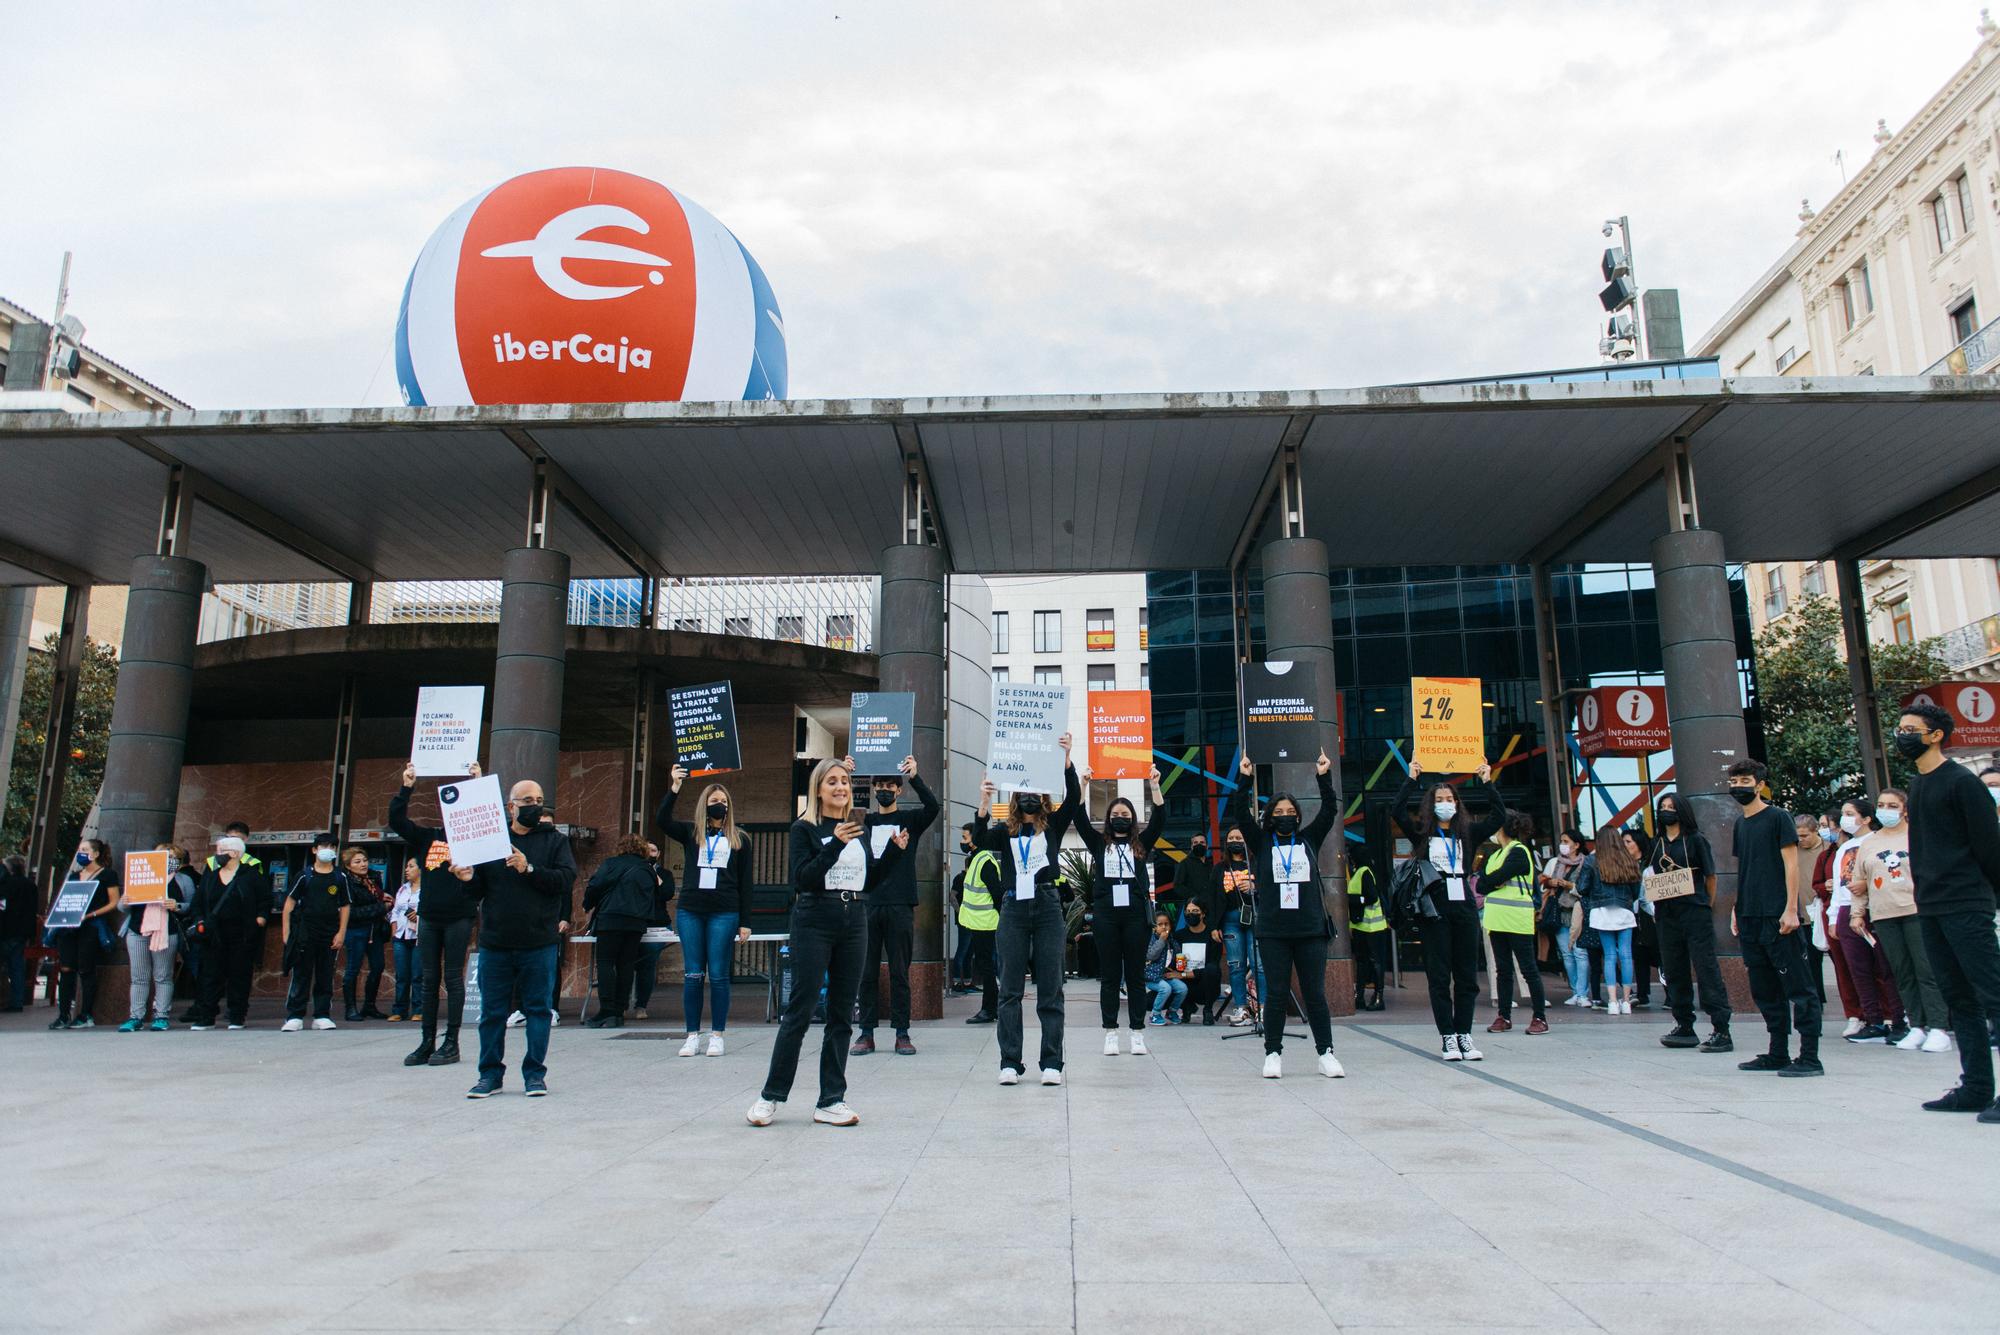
(448, 1053)
(1777, 1059)
(1808, 1063)
(1680, 1036)
(347, 994)
(422, 1055)
(369, 1009)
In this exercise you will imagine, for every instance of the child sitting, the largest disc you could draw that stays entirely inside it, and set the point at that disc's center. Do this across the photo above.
(1163, 979)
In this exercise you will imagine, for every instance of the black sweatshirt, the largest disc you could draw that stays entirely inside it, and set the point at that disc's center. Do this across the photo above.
(814, 852)
(441, 897)
(995, 839)
(240, 902)
(1100, 845)
(733, 879)
(900, 885)
(1309, 919)
(626, 894)
(1954, 842)
(521, 911)
(1414, 820)
(17, 921)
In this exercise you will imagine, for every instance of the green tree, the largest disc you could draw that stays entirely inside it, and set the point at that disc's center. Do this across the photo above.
(88, 737)
(1810, 740)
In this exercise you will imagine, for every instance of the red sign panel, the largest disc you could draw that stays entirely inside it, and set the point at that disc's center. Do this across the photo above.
(1974, 707)
(1623, 721)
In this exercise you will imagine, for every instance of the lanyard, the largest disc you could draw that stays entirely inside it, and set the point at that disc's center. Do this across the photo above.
(1118, 858)
(1286, 854)
(714, 843)
(1021, 847)
(1450, 855)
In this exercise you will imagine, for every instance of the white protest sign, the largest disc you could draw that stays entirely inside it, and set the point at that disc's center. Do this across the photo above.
(475, 820)
(446, 742)
(1028, 720)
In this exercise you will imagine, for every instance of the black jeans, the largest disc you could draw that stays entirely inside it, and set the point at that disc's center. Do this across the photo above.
(979, 966)
(889, 932)
(1776, 963)
(1509, 950)
(1687, 946)
(617, 957)
(1371, 960)
(228, 955)
(1304, 956)
(1645, 954)
(312, 969)
(442, 946)
(1121, 936)
(76, 952)
(1452, 952)
(1966, 960)
(1032, 925)
(829, 939)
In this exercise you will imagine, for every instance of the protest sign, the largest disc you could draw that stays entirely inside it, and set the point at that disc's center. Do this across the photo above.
(475, 820)
(446, 741)
(70, 904)
(1450, 724)
(146, 877)
(880, 726)
(1028, 722)
(1280, 718)
(705, 728)
(1120, 725)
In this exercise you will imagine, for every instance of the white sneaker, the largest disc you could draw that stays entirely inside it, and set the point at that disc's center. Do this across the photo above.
(1274, 1066)
(692, 1048)
(1009, 1076)
(1051, 1077)
(1937, 1040)
(1330, 1067)
(1238, 1018)
(1853, 1027)
(323, 1023)
(838, 1115)
(1138, 1044)
(291, 1026)
(1111, 1042)
(715, 1045)
(1467, 1051)
(1913, 1040)
(235, 1027)
(1624, 1007)
(761, 1112)
(1451, 1052)
(516, 1020)
(555, 1020)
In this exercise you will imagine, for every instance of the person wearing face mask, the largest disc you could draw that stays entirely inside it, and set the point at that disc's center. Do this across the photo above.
(1508, 879)
(979, 920)
(1558, 882)
(1444, 833)
(1687, 928)
(228, 919)
(1373, 945)
(1120, 906)
(403, 934)
(1293, 926)
(1239, 927)
(269, 905)
(1883, 1018)
(1770, 906)
(1201, 945)
(78, 948)
(1814, 931)
(716, 881)
(892, 906)
(152, 939)
(315, 916)
(1028, 845)
(445, 908)
(524, 903)
(1195, 880)
(1990, 776)
(1831, 838)
(1885, 906)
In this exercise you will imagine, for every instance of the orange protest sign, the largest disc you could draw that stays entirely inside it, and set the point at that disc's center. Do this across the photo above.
(146, 877)
(1121, 734)
(1450, 724)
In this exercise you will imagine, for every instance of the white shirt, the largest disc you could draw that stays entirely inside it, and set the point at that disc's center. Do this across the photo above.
(1846, 858)
(1444, 855)
(403, 917)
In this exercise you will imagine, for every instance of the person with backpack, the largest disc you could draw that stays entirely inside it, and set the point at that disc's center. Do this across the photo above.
(1508, 880)
(623, 895)
(979, 919)
(1444, 835)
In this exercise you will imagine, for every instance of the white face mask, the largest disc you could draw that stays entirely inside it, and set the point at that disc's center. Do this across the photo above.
(1851, 824)
(323, 854)
(1889, 816)
(1445, 810)
(1568, 849)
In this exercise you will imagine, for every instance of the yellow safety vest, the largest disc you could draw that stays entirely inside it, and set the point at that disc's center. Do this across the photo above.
(1372, 918)
(976, 910)
(1510, 904)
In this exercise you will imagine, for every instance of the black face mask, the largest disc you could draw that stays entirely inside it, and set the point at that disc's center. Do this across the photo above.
(528, 815)
(1670, 816)
(1910, 745)
(1286, 825)
(1199, 852)
(1119, 825)
(1194, 917)
(1744, 796)
(718, 811)
(1236, 853)
(1028, 805)
(885, 797)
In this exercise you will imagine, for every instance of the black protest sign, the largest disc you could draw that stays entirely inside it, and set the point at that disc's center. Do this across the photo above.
(70, 904)
(705, 738)
(879, 728)
(1280, 718)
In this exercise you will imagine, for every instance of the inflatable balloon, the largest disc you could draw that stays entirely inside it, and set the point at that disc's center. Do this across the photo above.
(584, 285)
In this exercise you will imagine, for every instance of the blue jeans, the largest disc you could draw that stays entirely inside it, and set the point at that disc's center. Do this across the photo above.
(706, 956)
(1241, 944)
(361, 944)
(1617, 957)
(1167, 992)
(501, 974)
(1576, 963)
(409, 977)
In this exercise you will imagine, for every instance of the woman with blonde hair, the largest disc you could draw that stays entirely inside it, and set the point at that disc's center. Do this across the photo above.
(152, 939)
(1028, 844)
(715, 903)
(832, 868)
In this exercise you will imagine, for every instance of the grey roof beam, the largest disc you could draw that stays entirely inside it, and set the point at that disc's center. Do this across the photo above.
(1941, 506)
(910, 440)
(48, 567)
(1636, 477)
(1294, 435)
(585, 507)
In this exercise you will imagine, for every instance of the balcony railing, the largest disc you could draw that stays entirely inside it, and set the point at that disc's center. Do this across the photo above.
(1974, 355)
(1974, 643)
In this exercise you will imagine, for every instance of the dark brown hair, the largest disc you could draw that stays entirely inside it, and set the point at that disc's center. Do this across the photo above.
(1614, 864)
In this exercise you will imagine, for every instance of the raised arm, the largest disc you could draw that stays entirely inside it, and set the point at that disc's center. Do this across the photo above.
(1075, 809)
(680, 831)
(1156, 819)
(1240, 813)
(1484, 827)
(927, 800)
(1322, 821)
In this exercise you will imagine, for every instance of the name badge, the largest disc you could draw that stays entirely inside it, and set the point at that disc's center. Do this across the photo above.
(1121, 895)
(1288, 895)
(707, 878)
(1454, 887)
(1024, 886)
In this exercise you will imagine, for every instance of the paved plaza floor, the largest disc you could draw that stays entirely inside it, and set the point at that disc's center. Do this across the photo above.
(1584, 1180)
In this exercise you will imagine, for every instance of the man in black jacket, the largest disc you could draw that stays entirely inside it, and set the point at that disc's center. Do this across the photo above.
(445, 908)
(892, 906)
(17, 924)
(522, 903)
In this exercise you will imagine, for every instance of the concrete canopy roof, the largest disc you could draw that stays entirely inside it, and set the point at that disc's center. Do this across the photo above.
(1466, 473)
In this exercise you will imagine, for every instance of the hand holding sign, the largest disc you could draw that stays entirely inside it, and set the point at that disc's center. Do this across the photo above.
(475, 821)
(1449, 721)
(704, 725)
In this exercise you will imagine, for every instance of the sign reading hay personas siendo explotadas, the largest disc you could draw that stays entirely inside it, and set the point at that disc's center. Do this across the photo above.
(445, 743)
(880, 726)
(705, 737)
(1450, 724)
(475, 820)
(1028, 724)
(1280, 713)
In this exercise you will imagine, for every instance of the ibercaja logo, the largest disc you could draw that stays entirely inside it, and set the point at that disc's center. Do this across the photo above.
(585, 285)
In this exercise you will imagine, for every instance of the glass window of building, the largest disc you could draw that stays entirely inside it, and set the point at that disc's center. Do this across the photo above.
(1099, 630)
(1142, 628)
(1003, 634)
(1845, 290)
(1000, 674)
(1941, 226)
(1964, 320)
(1963, 188)
(1048, 632)
(1048, 674)
(1899, 621)
(791, 628)
(840, 631)
(1774, 591)
(690, 624)
(1813, 580)
(736, 626)
(1866, 285)
(1103, 677)
(1145, 676)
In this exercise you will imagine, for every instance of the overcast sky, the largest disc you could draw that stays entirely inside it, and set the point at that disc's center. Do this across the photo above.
(994, 197)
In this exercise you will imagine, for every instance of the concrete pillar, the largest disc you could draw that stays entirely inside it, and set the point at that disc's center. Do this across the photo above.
(1705, 707)
(142, 761)
(1548, 668)
(909, 644)
(1298, 628)
(17, 625)
(528, 671)
(1853, 601)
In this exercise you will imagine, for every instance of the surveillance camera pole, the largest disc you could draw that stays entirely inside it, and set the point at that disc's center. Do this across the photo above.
(1624, 225)
(55, 325)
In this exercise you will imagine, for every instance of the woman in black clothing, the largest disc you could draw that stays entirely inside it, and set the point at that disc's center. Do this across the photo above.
(832, 869)
(715, 904)
(1686, 926)
(78, 948)
(625, 894)
(1028, 846)
(367, 935)
(1120, 907)
(1293, 925)
(1445, 834)
(1198, 937)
